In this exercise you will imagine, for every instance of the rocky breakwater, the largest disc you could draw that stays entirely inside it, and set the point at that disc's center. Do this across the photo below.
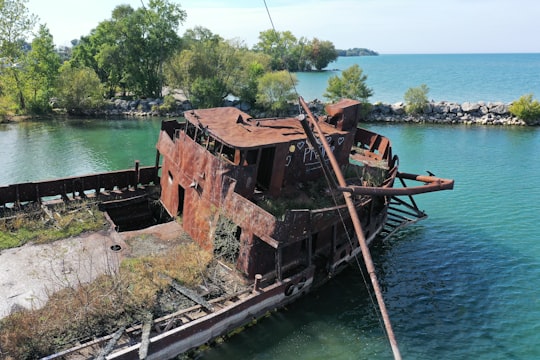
(145, 107)
(444, 112)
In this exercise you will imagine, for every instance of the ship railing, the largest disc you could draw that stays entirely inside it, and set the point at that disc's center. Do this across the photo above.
(81, 186)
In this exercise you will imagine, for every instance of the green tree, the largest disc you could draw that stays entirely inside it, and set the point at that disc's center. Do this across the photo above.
(321, 53)
(130, 49)
(416, 99)
(16, 24)
(79, 89)
(210, 68)
(351, 84)
(253, 66)
(279, 46)
(42, 64)
(526, 108)
(276, 90)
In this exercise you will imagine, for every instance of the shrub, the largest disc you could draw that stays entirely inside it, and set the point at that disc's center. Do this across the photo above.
(79, 90)
(526, 109)
(275, 91)
(169, 105)
(40, 226)
(416, 99)
(351, 84)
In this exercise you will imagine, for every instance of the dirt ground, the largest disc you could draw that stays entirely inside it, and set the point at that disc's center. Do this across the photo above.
(31, 272)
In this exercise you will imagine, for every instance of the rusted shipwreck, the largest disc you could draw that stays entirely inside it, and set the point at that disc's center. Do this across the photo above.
(295, 190)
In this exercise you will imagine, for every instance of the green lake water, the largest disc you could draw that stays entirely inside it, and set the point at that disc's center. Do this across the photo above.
(462, 284)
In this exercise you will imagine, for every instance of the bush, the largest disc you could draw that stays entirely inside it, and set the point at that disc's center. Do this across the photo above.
(79, 90)
(526, 109)
(169, 105)
(351, 84)
(275, 90)
(416, 99)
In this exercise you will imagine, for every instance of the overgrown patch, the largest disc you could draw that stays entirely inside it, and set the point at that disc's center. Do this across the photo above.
(309, 195)
(82, 311)
(41, 224)
(226, 240)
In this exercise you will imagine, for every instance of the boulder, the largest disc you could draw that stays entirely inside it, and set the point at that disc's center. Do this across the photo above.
(398, 108)
(499, 109)
(469, 107)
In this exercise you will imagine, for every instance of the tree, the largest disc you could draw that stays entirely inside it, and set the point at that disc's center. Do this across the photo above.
(42, 64)
(279, 46)
(276, 90)
(16, 23)
(253, 66)
(321, 53)
(130, 49)
(210, 68)
(289, 53)
(79, 89)
(351, 84)
(416, 99)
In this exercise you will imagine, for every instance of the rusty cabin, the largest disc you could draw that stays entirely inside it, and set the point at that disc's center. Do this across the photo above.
(221, 163)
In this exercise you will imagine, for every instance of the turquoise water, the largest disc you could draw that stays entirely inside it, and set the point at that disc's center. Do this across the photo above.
(32, 151)
(454, 77)
(462, 284)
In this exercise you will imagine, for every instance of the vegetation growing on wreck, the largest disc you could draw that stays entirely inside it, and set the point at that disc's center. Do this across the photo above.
(226, 240)
(41, 224)
(308, 195)
(126, 295)
(316, 194)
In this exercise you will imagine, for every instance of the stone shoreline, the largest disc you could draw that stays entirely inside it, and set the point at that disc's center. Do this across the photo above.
(441, 112)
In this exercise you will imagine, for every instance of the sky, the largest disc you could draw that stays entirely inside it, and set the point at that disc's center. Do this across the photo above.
(385, 26)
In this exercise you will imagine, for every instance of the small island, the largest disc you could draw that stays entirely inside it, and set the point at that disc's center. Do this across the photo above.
(357, 52)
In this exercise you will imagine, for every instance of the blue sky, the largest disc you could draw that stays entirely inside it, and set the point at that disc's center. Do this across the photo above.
(386, 26)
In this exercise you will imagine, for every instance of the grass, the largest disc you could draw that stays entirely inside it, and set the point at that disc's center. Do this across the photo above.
(113, 300)
(42, 224)
(312, 195)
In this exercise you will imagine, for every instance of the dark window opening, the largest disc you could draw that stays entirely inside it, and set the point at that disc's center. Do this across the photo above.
(251, 157)
(264, 171)
(227, 152)
(181, 196)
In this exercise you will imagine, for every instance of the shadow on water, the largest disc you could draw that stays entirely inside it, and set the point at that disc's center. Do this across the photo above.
(443, 288)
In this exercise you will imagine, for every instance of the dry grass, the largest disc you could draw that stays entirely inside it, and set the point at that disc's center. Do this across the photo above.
(84, 311)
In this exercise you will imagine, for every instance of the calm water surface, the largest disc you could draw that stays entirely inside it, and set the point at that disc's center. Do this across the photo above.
(465, 283)
(450, 77)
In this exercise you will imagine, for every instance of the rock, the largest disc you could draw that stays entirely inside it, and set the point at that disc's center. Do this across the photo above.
(499, 108)
(398, 108)
(470, 107)
(454, 108)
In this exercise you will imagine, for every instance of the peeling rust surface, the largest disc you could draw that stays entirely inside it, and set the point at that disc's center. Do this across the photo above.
(239, 129)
